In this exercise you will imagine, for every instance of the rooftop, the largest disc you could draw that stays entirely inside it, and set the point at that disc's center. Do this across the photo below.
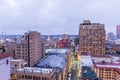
(16, 60)
(86, 61)
(4, 55)
(57, 50)
(108, 65)
(88, 73)
(52, 61)
(34, 69)
(103, 56)
(115, 66)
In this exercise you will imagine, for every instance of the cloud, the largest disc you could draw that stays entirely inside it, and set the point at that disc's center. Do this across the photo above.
(56, 16)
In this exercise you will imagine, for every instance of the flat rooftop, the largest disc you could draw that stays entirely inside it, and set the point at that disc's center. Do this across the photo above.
(4, 55)
(16, 60)
(57, 50)
(35, 69)
(114, 66)
(86, 61)
(52, 61)
(107, 65)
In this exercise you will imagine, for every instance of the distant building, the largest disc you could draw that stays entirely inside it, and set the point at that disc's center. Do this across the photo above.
(118, 31)
(92, 38)
(29, 48)
(4, 66)
(2, 42)
(10, 46)
(64, 42)
(51, 43)
(110, 35)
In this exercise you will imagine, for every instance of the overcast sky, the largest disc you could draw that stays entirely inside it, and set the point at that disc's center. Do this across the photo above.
(56, 16)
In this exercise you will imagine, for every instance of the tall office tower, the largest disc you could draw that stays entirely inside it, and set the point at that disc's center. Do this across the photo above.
(92, 38)
(29, 48)
(118, 31)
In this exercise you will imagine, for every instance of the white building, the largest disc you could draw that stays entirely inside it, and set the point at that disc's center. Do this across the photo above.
(86, 60)
(101, 58)
(4, 66)
(17, 63)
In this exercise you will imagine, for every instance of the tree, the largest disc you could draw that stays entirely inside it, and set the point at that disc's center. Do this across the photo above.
(3, 49)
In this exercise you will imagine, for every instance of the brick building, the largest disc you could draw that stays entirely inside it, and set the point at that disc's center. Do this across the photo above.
(29, 48)
(92, 38)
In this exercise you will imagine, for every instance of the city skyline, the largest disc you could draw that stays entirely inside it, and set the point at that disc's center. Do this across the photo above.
(56, 16)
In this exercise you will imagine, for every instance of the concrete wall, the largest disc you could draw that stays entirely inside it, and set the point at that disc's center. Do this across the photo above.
(5, 69)
(100, 59)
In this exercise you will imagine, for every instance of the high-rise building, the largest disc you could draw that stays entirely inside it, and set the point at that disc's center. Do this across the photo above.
(92, 38)
(118, 31)
(29, 48)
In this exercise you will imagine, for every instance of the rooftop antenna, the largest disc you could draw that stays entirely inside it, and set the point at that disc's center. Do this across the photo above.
(4, 34)
(86, 15)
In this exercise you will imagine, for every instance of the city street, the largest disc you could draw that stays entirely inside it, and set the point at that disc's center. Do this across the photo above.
(75, 69)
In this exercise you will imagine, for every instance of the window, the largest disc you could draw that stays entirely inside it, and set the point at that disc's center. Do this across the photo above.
(21, 65)
(7, 61)
(15, 65)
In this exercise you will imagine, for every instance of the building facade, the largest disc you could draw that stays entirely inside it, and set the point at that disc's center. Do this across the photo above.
(110, 35)
(17, 63)
(4, 66)
(55, 66)
(118, 31)
(33, 73)
(10, 47)
(107, 72)
(29, 48)
(92, 38)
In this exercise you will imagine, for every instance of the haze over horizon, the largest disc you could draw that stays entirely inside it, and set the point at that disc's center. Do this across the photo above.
(56, 16)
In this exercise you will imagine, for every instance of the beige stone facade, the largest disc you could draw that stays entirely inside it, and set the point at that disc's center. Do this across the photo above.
(17, 63)
(33, 74)
(105, 73)
(29, 48)
(92, 38)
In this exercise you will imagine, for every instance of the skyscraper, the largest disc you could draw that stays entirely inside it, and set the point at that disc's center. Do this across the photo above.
(118, 31)
(29, 48)
(92, 38)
